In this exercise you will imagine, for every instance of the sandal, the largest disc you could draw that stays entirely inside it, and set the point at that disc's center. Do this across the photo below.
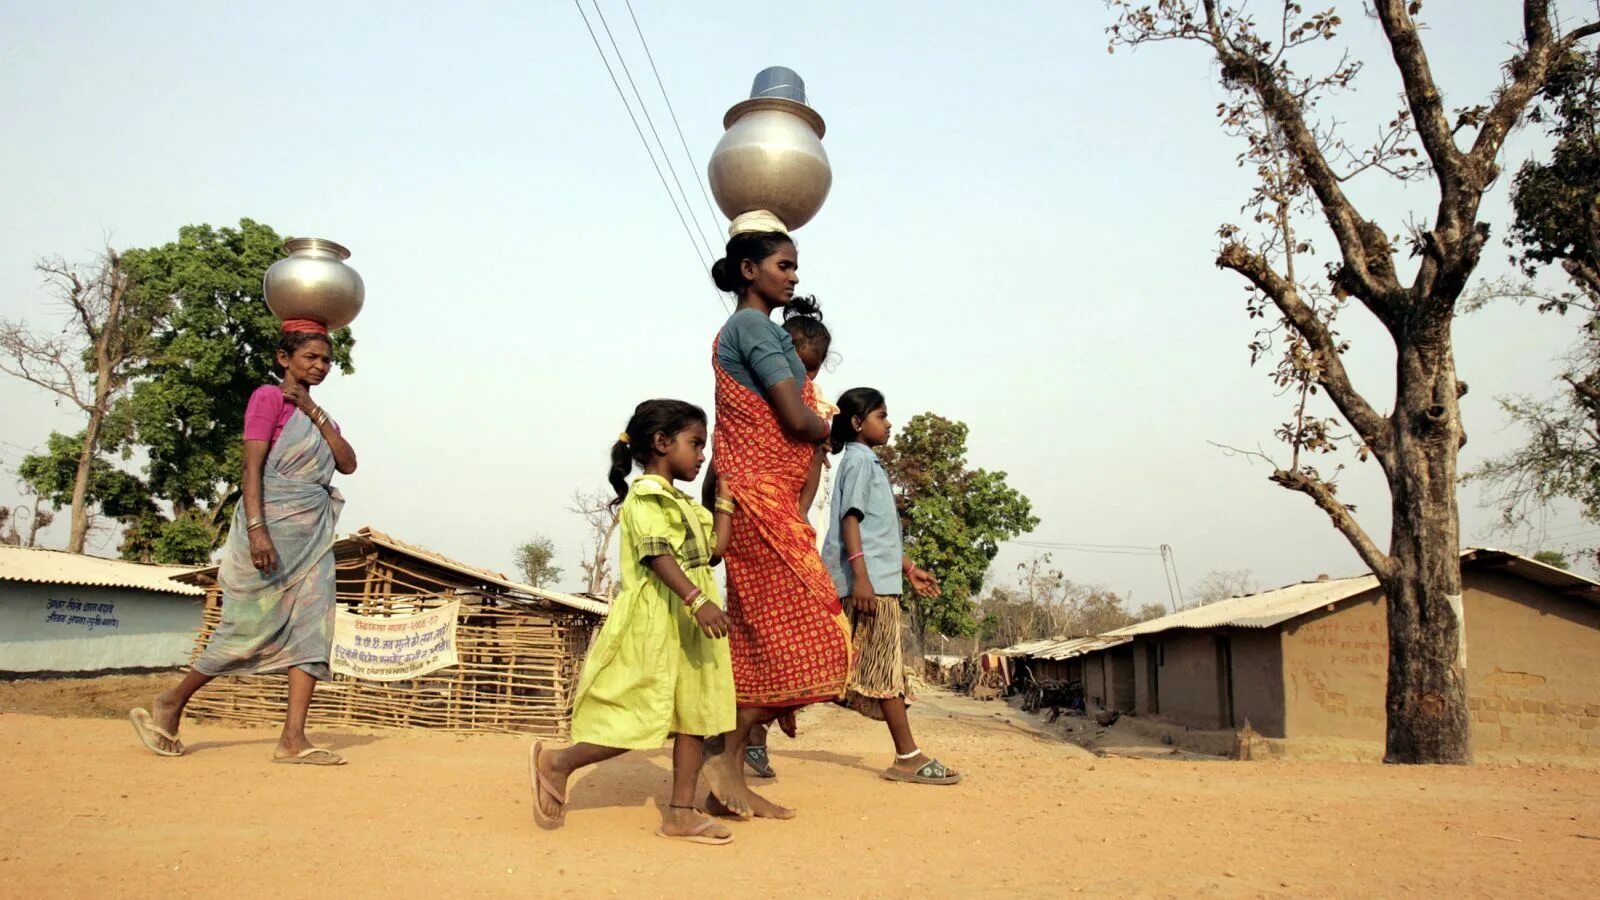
(697, 834)
(542, 784)
(758, 761)
(932, 772)
(151, 734)
(312, 756)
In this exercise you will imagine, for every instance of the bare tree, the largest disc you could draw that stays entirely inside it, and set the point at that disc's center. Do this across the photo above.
(87, 361)
(36, 517)
(1220, 584)
(600, 514)
(1303, 165)
(1045, 603)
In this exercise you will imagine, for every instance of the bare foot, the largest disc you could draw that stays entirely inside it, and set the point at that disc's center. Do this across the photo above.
(167, 714)
(766, 809)
(725, 776)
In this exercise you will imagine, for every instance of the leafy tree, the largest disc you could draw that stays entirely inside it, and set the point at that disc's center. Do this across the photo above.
(1553, 558)
(54, 475)
(89, 363)
(1303, 166)
(1557, 204)
(954, 518)
(534, 560)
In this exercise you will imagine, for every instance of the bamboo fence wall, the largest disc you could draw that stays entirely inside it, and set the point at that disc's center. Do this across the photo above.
(518, 659)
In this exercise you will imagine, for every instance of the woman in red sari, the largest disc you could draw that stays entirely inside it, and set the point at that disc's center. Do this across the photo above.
(790, 641)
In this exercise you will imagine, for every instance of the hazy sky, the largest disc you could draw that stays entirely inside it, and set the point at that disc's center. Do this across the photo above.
(1020, 236)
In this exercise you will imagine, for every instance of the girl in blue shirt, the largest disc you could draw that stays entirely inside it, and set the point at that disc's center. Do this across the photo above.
(866, 557)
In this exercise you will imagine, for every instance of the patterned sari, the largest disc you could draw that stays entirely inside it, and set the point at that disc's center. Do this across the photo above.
(283, 619)
(790, 641)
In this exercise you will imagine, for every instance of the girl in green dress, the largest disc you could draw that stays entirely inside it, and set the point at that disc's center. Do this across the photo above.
(660, 664)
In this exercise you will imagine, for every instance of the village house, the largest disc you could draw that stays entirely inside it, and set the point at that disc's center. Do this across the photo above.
(1305, 666)
(68, 613)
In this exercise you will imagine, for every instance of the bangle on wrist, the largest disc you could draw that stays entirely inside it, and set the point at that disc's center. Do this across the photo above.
(700, 601)
(689, 599)
(725, 504)
(253, 524)
(855, 556)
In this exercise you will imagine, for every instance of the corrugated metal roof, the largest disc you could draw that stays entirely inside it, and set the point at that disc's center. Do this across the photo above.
(1258, 610)
(1079, 646)
(56, 567)
(572, 601)
(1560, 580)
(1275, 607)
(1028, 648)
(353, 545)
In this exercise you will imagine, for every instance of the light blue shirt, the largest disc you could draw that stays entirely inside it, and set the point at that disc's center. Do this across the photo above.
(861, 484)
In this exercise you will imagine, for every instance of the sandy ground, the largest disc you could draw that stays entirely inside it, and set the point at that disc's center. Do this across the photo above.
(88, 813)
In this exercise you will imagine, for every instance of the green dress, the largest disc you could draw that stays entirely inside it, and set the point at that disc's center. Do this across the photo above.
(652, 672)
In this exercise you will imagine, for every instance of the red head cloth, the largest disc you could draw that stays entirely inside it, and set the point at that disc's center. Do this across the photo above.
(309, 326)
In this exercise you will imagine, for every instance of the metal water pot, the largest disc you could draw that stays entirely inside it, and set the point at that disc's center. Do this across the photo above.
(771, 155)
(313, 282)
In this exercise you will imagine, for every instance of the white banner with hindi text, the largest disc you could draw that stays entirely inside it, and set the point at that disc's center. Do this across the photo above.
(389, 648)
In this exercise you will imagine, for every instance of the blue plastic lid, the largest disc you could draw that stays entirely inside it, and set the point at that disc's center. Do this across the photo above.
(779, 81)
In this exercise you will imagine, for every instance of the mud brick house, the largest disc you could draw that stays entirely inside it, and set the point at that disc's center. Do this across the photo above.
(1306, 665)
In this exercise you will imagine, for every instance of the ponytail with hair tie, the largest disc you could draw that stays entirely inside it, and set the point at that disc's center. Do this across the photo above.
(636, 444)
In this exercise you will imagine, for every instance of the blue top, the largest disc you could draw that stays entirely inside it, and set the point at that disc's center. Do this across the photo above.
(861, 485)
(757, 353)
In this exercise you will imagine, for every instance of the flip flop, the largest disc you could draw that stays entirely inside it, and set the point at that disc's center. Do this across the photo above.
(932, 772)
(539, 782)
(698, 835)
(310, 757)
(144, 725)
(758, 761)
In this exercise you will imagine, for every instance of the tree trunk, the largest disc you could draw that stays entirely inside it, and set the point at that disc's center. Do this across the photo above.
(919, 629)
(1427, 697)
(80, 483)
(598, 569)
(106, 361)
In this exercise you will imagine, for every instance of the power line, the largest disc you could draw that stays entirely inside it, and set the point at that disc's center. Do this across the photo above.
(696, 244)
(665, 157)
(693, 165)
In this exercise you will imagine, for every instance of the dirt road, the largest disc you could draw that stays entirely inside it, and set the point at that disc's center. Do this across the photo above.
(88, 813)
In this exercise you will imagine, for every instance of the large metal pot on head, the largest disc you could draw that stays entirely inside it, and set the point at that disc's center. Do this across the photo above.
(313, 282)
(771, 156)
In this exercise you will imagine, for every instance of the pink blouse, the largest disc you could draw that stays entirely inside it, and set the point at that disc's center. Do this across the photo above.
(266, 414)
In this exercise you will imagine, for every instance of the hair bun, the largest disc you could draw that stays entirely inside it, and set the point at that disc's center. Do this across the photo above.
(802, 307)
(721, 277)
